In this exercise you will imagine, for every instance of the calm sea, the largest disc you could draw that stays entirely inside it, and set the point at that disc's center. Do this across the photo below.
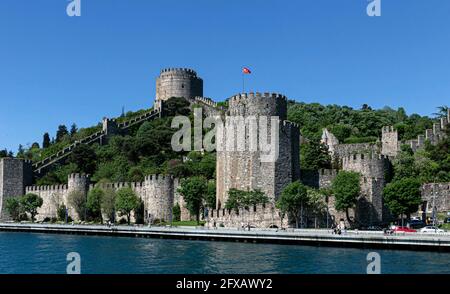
(46, 253)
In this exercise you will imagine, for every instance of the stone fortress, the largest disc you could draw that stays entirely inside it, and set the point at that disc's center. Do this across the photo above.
(235, 169)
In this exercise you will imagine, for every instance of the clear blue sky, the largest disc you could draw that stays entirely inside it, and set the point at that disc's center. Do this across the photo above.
(57, 70)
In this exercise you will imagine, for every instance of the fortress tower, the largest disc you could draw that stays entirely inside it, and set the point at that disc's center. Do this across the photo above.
(15, 175)
(373, 168)
(177, 82)
(159, 197)
(244, 170)
(390, 145)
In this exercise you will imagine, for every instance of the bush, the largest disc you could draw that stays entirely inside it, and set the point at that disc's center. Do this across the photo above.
(176, 211)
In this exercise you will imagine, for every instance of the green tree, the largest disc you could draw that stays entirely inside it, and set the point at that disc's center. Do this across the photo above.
(176, 106)
(30, 204)
(85, 159)
(77, 199)
(314, 155)
(61, 213)
(73, 130)
(293, 200)
(210, 198)
(46, 141)
(403, 196)
(194, 190)
(316, 203)
(109, 203)
(126, 202)
(176, 211)
(346, 189)
(13, 208)
(94, 203)
(61, 133)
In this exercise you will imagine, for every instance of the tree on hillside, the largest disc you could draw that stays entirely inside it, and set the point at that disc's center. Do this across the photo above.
(30, 204)
(346, 189)
(293, 201)
(73, 129)
(126, 202)
(442, 111)
(46, 141)
(85, 159)
(176, 106)
(403, 196)
(194, 191)
(314, 155)
(61, 133)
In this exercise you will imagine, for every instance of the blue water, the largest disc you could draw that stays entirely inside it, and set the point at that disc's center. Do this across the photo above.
(45, 253)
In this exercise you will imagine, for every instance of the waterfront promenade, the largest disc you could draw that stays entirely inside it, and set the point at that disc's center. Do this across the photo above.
(319, 237)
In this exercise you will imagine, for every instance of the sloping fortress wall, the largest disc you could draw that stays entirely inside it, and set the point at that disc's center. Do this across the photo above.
(391, 144)
(178, 82)
(244, 170)
(338, 151)
(15, 174)
(372, 167)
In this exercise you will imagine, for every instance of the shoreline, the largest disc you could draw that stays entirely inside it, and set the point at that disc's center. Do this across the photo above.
(309, 237)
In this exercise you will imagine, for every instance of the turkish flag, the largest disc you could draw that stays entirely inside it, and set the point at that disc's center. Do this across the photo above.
(246, 70)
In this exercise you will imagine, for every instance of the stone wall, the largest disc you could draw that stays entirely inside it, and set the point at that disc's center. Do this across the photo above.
(259, 217)
(370, 209)
(318, 179)
(157, 193)
(434, 136)
(436, 194)
(15, 174)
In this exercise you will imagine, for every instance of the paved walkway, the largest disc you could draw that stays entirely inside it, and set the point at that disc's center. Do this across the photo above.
(323, 237)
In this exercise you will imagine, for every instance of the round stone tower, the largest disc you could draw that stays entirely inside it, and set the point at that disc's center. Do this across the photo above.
(248, 168)
(178, 82)
(159, 197)
(257, 104)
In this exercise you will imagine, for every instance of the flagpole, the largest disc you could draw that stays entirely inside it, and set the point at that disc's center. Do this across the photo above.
(243, 82)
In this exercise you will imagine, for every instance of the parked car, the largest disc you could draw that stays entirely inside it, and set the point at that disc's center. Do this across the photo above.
(416, 224)
(403, 230)
(447, 220)
(431, 229)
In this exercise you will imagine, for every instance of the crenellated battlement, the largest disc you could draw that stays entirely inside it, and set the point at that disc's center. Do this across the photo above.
(158, 178)
(287, 123)
(206, 100)
(55, 188)
(187, 71)
(77, 176)
(358, 157)
(238, 97)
